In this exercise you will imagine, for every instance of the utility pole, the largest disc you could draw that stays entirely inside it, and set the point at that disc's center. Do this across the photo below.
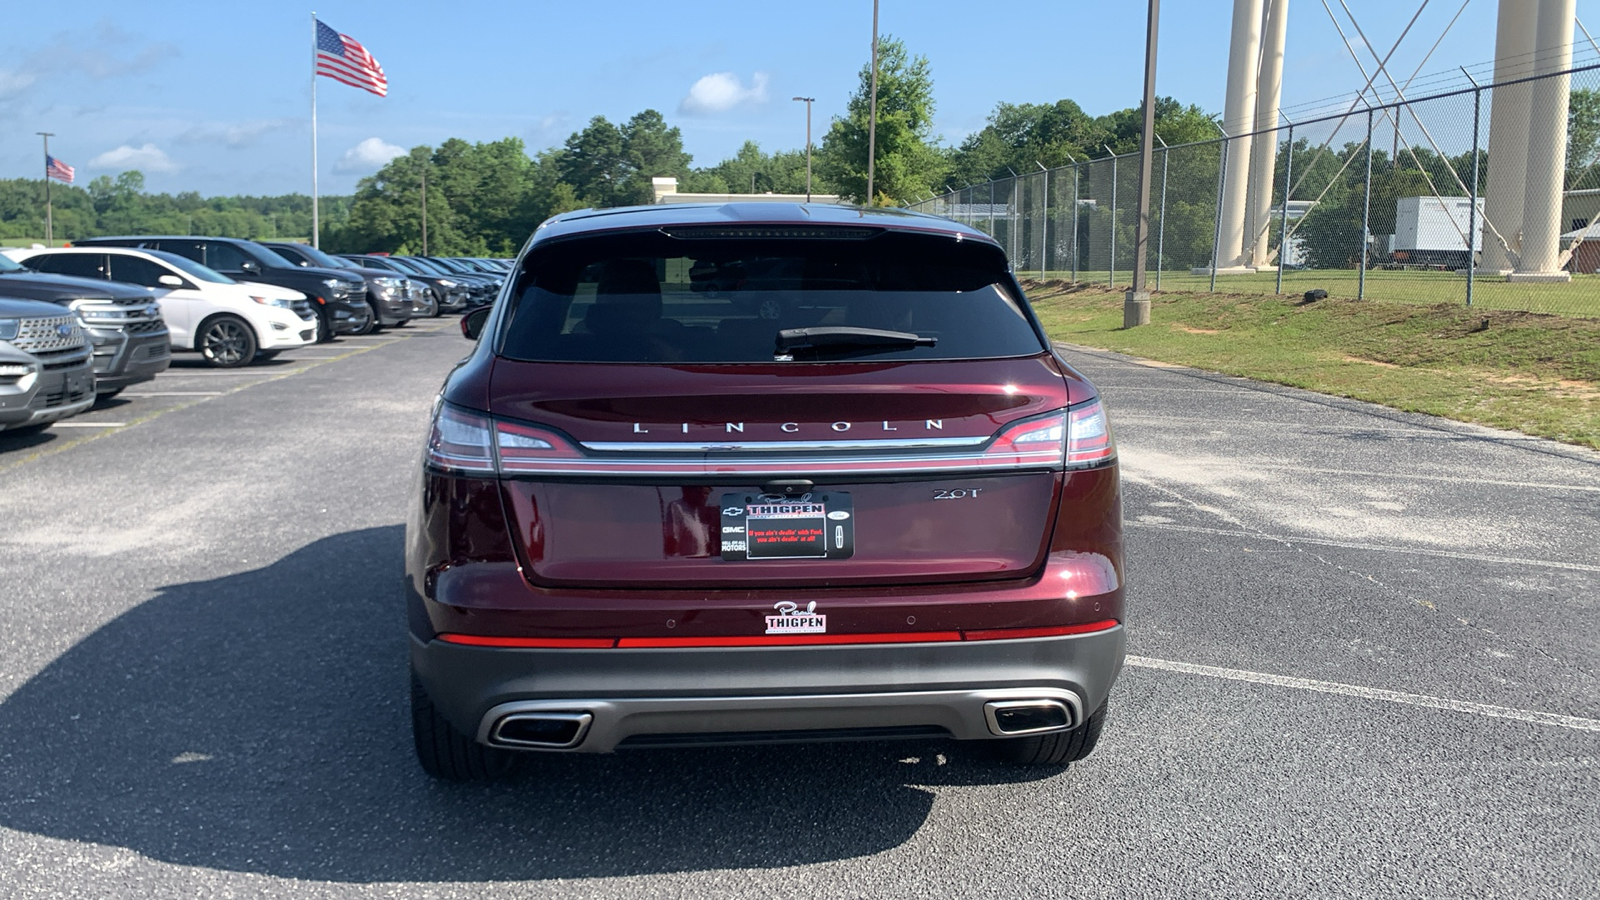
(872, 116)
(808, 101)
(424, 212)
(49, 214)
(1136, 303)
(316, 210)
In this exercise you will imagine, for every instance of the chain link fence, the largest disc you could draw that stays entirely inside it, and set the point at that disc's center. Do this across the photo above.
(1396, 203)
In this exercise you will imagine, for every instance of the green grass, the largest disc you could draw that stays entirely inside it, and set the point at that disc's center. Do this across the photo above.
(1579, 297)
(1529, 372)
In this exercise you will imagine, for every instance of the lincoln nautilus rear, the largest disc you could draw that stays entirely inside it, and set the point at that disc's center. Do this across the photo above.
(762, 472)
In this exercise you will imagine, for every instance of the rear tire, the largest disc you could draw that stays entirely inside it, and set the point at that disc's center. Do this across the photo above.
(444, 752)
(1057, 749)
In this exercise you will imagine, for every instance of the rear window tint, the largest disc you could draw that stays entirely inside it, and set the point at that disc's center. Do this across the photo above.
(653, 298)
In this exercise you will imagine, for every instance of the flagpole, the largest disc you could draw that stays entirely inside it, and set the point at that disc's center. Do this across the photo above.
(316, 218)
(49, 214)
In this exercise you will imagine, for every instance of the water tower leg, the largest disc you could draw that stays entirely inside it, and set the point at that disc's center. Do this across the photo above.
(1269, 84)
(1238, 120)
(1547, 146)
(1508, 135)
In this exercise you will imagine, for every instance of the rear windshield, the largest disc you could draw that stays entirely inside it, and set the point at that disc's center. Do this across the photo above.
(655, 298)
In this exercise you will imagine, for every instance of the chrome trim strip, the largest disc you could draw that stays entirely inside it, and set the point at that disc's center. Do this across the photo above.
(769, 446)
(711, 465)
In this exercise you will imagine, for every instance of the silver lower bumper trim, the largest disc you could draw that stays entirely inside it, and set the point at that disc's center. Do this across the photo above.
(964, 714)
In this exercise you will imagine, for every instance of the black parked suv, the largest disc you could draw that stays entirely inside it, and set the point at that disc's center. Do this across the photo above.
(484, 287)
(340, 295)
(388, 296)
(126, 331)
(449, 293)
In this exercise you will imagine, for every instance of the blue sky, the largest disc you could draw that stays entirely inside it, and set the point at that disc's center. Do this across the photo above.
(214, 97)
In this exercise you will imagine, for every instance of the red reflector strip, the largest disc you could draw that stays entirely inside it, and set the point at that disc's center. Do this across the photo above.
(1001, 634)
(474, 640)
(778, 640)
(789, 640)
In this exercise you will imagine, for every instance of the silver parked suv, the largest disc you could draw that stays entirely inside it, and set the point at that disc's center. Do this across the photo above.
(45, 370)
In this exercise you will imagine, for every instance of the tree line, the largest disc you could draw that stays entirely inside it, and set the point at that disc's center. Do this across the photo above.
(120, 205)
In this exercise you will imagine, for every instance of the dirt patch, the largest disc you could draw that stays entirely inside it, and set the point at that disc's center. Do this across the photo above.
(1369, 362)
(1557, 387)
(1187, 330)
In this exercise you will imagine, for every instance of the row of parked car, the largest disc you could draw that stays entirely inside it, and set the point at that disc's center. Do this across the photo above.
(79, 324)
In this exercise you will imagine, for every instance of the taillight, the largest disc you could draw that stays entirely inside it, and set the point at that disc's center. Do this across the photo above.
(1089, 440)
(1031, 442)
(524, 448)
(460, 441)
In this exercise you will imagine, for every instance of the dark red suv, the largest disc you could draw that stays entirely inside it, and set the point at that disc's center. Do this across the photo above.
(762, 472)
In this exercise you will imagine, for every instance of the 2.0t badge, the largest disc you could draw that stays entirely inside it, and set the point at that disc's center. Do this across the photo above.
(791, 619)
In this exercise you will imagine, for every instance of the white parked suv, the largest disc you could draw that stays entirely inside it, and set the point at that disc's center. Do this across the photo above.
(228, 322)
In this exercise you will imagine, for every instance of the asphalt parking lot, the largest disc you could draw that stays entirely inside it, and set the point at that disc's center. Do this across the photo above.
(1364, 650)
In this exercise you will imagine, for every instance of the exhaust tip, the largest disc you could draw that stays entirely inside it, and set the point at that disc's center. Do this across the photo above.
(544, 731)
(1013, 717)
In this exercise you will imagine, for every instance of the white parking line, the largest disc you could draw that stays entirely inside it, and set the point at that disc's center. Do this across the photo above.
(1166, 390)
(89, 425)
(1381, 548)
(1235, 422)
(1401, 476)
(1534, 717)
(173, 394)
(207, 373)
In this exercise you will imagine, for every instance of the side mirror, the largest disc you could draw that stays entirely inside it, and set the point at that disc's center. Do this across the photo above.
(250, 266)
(472, 322)
(171, 281)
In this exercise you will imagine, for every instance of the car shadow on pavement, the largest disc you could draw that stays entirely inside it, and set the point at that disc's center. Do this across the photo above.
(11, 441)
(258, 722)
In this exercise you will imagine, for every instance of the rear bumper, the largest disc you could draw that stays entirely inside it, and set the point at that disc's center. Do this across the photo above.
(687, 695)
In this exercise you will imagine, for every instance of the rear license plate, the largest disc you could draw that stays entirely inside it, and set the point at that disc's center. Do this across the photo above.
(818, 525)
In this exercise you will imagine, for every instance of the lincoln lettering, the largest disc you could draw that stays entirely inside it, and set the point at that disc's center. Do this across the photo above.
(785, 427)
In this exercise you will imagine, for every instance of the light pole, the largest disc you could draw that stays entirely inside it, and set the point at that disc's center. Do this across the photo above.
(808, 101)
(49, 215)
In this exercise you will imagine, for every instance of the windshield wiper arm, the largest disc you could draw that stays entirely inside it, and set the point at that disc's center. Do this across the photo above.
(844, 337)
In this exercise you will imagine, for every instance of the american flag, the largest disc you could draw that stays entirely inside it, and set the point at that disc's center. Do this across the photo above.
(342, 58)
(55, 168)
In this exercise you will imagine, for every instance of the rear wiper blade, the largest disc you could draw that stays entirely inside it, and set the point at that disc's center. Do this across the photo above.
(844, 338)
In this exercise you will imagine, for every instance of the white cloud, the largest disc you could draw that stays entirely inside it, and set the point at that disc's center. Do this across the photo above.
(722, 91)
(12, 83)
(148, 158)
(235, 134)
(367, 156)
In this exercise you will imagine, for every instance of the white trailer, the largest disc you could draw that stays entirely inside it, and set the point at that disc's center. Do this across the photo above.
(1434, 229)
